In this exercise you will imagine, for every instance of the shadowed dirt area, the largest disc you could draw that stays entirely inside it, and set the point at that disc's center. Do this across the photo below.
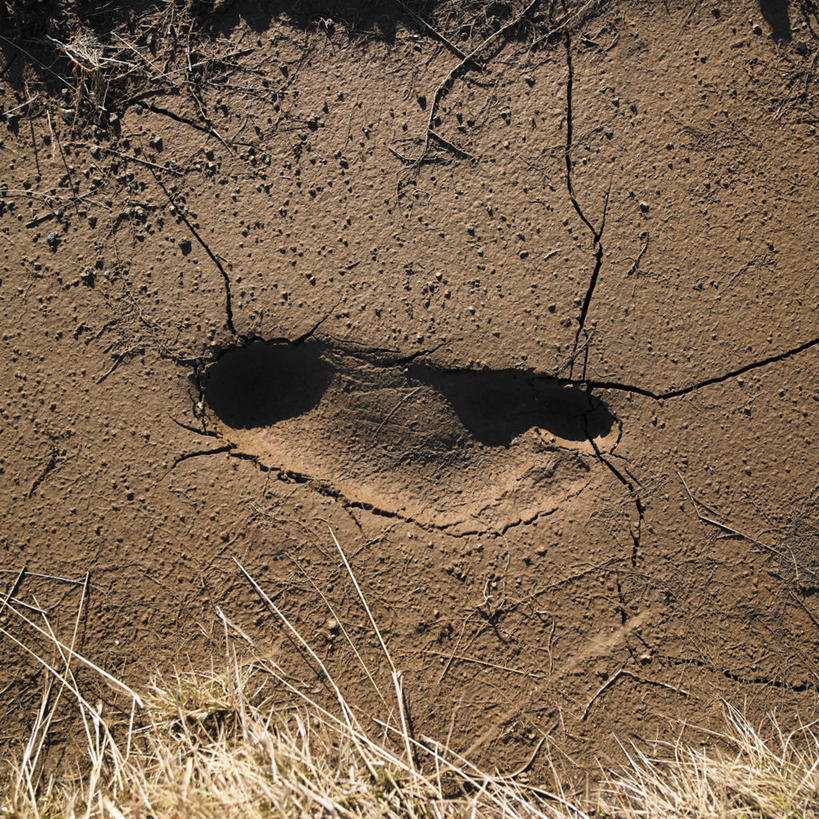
(518, 299)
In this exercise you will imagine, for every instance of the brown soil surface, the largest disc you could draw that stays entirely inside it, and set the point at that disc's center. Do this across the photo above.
(534, 333)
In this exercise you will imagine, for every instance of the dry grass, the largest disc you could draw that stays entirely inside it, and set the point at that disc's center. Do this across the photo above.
(215, 744)
(741, 775)
(205, 749)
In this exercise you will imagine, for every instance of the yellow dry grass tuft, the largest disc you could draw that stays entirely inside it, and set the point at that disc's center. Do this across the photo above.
(209, 745)
(742, 775)
(217, 745)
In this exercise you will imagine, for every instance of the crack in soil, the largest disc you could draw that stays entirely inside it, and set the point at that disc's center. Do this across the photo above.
(596, 233)
(797, 687)
(706, 382)
(636, 530)
(464, 390)
(325, 489)
(226, 279)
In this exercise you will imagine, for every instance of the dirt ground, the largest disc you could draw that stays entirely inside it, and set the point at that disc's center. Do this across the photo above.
(518, 301)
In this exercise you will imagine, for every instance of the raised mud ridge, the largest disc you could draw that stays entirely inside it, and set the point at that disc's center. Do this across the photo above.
(454, 449)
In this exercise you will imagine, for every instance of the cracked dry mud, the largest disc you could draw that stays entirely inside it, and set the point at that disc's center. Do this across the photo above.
(519, 300)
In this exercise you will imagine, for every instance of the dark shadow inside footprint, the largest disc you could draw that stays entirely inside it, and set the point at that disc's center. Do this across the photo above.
(262, 383)
(776, 14)
(496, 406)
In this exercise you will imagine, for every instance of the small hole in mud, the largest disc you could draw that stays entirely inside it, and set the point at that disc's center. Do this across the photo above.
(263, 383)
(496, 406)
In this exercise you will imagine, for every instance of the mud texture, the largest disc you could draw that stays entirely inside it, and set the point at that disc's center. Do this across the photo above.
(519, 300)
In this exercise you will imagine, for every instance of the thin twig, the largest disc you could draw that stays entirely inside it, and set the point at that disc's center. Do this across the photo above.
(113, 680)
(636, 263)
(446, 84)
(434, 31)
(34, 145)
(485, 663)
(145, 162)
(119, 358)
(74, 188)
(13, 590)
(46, 577)
(724, 526)
(528, 764)
(393, 411)
(396, 676)
(623, 673)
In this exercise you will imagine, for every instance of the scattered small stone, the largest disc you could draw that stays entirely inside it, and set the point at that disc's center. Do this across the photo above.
(185, 246)
(156, 143)
(644, 207)
(53, 240)
(332, 626)
(757, 29)
(88, 278)
(95, 151)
